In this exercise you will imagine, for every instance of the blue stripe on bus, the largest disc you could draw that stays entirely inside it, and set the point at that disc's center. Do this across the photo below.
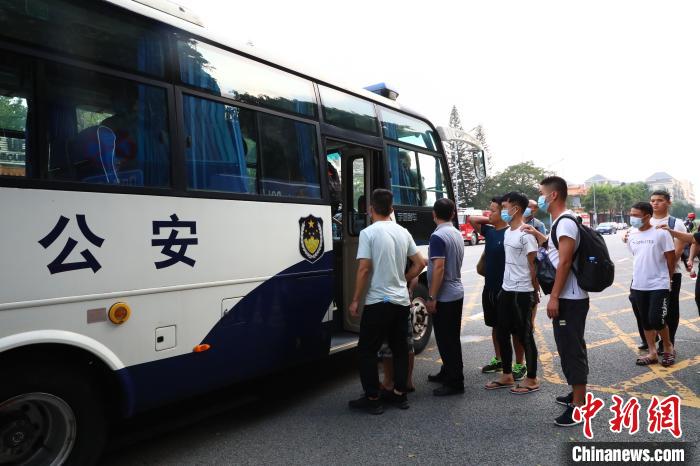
(277, 324)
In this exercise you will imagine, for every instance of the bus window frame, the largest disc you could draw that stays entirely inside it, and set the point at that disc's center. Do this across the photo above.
(415, 149)
(177, 81)
(36, 165)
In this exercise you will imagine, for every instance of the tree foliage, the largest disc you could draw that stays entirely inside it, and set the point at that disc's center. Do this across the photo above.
(615, 199)
(13, 113)
(463, 162)
(524, 178)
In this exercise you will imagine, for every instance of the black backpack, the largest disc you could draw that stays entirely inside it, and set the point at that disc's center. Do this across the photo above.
(592, 265)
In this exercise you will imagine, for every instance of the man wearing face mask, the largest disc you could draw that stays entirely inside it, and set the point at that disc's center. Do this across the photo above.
(654, 265)
(519, 293)
(568, 304)
(530, 217)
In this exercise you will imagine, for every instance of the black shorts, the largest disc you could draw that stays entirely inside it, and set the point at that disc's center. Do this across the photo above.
(569, 329)
(652, 306)
(489, 302)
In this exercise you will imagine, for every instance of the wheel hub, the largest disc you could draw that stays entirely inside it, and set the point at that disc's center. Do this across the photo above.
(419, 318)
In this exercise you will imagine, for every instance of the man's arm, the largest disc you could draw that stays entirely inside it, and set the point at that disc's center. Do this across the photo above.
(478, 221)
(541, 239)
(677, 235)
(533, 274)
(436, 281)
(364, 269)
(671, 263)
(418, 263)
(567, 245)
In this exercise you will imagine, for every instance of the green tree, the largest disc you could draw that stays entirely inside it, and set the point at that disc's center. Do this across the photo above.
(13, 113)
(524, 178)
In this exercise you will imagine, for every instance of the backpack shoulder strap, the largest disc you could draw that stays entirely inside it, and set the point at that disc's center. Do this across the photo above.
(555, 240)
(672, 222)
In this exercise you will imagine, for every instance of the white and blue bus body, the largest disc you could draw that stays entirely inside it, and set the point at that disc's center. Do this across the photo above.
(177, 214)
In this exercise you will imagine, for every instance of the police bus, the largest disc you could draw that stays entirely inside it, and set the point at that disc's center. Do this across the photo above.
(177, 215)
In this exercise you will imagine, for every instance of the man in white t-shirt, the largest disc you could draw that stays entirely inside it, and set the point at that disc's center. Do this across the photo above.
(654, 265)
(661, 203)
(568, 304)
(382, 254)
(518, 294)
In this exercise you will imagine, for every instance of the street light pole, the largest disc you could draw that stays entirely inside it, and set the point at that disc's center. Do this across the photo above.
(595, 210)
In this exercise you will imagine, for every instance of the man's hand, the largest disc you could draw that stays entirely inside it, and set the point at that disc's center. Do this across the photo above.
(553, 308)
(354, 308)
(431, 306)
(626, 236)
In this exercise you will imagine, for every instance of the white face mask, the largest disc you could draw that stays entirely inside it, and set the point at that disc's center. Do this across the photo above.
(636, 222)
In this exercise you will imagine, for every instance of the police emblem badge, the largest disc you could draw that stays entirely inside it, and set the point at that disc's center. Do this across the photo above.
(311, 238)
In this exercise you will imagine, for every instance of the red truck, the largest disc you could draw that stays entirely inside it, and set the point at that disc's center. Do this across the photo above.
(469, 234)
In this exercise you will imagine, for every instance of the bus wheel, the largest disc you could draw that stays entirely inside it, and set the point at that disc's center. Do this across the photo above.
(420, 319)
(49, 416)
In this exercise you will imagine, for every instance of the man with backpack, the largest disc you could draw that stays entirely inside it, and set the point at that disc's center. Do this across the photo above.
(570, 247)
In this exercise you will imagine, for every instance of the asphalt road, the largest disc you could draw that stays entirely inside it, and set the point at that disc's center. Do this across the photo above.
(301, 416)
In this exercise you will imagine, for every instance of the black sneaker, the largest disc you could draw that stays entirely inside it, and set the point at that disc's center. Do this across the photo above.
(447, 390)
(439, 377)
(519, 371)
(494, 366)
(643, 347)
(567, 418)
(365, 404)
(400, 401)
(566, 400)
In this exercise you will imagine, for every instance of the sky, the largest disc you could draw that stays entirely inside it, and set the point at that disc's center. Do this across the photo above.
(579, 88)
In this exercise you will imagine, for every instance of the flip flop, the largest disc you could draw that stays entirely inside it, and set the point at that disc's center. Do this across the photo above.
(646, 361)
(668, 359)
(528, 390)
(498, 385)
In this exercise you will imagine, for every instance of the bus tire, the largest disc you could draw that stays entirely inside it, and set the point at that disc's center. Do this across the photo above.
(474, 240)
(422, 322)
(34, 398)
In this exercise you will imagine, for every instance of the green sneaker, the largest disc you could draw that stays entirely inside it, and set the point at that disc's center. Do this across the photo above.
(494, 366)
(519, 371)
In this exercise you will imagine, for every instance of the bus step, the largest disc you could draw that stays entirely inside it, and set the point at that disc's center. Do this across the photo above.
(342, 341)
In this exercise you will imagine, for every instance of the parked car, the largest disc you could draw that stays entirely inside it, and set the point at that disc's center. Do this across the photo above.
(607, 228)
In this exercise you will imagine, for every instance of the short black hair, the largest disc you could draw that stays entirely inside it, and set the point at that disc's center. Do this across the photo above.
(518, 199)
(444, 209)
(662, 192)
(558, 184)
(382, 201)
(497, 199)
(644, 207)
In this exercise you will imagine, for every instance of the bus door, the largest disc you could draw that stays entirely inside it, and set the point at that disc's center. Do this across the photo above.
(354, 166)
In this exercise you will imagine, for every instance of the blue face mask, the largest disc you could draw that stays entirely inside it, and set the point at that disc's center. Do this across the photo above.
(506, 217)
(527, 212)
(542, 203)
(636, 222)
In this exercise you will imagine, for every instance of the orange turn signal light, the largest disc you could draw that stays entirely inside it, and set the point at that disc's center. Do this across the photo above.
(119, 313)
(201, 348)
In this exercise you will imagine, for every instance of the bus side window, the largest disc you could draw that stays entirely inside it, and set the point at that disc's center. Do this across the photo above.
(221, 146)
(14, 112)
(289, 158)
(106, 130)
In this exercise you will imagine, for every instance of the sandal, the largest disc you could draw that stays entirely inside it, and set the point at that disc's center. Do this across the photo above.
(515, 391)
(668, 359)
(646, 361)
(495, 385)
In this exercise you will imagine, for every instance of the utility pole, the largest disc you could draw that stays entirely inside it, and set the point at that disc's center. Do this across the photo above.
(595, 210)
